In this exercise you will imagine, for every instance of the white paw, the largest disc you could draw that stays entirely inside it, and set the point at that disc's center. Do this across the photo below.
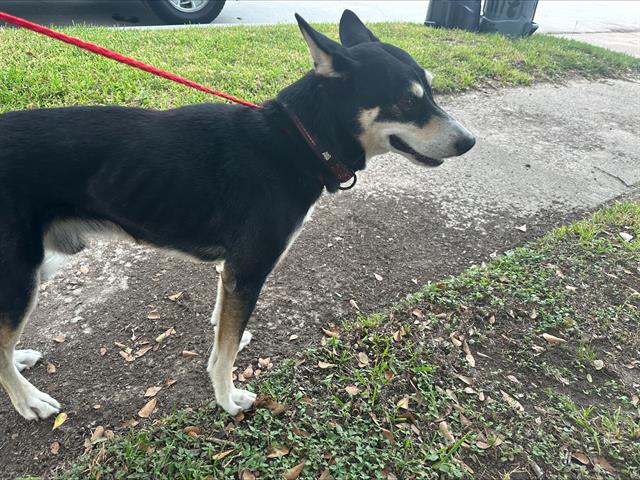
(245, 340)
(24, 359)
(243, 398)
(36, 404)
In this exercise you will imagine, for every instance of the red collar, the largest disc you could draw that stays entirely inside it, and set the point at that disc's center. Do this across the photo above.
(339, 169)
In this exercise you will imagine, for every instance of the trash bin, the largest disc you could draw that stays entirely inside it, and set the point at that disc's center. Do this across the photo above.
(464, 14)
(510, 17)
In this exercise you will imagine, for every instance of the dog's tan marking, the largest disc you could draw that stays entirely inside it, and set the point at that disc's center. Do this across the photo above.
(429, 76)
(417, 89)
(231, 313)
(28, 401)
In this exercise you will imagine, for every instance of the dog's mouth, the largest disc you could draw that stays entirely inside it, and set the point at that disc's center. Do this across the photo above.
(399, 144)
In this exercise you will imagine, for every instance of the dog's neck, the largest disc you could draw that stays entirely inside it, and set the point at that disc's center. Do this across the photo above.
(308, 100)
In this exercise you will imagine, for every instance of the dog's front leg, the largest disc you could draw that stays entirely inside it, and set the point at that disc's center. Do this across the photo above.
(234, 304)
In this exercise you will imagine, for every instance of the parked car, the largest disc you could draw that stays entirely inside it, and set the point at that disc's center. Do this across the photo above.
(186, 11)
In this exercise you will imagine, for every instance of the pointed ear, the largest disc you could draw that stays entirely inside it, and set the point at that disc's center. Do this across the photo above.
(353, 31)
(330, 59)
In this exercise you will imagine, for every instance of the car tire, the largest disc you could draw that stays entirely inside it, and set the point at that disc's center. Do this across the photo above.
(173, 15)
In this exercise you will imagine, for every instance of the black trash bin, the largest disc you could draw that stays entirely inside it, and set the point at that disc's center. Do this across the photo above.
(510, 17)
(464, 14)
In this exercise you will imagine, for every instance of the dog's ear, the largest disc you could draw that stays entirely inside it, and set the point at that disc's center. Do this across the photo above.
(330, 59)
(353, 31)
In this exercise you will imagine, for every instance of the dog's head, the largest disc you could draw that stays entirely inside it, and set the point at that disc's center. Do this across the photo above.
(380, 93)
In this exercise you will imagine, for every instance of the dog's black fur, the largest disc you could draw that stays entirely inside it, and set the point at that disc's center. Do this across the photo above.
(213, 181)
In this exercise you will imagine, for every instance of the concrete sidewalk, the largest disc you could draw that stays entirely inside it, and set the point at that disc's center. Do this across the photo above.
(624, 42)
(544, 155)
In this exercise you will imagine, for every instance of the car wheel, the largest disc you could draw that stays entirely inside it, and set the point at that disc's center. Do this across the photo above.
(186, 11)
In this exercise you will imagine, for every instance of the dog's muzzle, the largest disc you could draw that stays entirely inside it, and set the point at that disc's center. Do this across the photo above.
(399, 144)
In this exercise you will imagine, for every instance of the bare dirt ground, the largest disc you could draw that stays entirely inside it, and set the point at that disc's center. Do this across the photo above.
(544, 155)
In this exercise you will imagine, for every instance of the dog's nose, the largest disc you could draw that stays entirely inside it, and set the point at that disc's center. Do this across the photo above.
(465, 144)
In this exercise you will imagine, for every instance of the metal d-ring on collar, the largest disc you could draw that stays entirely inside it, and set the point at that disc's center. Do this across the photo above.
(338, 168)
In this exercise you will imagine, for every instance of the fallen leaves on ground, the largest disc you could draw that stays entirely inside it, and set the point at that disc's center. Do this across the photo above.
(54, 447)
(325, 365)
(192, 430)
(148, 409)
(512, 402)
(352, 390)
(152, 391)
(444, 429)
(294, 472)
(59, 338)
(279, 451)
(163, 336)
(363, 360)
(221, 455)
(188, 354)
(59, 420)
(153, 315)
(51, 368)
(552, 339)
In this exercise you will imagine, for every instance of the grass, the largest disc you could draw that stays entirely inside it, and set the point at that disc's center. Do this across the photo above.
(256, 62)
(456, 381)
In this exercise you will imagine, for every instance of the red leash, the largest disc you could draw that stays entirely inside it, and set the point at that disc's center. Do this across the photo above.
(91, 47)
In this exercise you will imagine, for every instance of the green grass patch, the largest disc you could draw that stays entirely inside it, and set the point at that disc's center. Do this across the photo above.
(256, 62)
(456, 381)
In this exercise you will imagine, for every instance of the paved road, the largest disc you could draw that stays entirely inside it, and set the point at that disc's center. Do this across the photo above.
(553, 15)
(544, 155)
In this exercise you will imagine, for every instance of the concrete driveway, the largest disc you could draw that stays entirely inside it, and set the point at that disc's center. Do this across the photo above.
(554, 16)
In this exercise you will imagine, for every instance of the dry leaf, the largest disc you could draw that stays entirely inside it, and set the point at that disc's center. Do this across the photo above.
(148, 409)
(604, 463)
(160, 338)
(581, 457)
(388, 375)
(153, 315)
(388, 435)
(248, 372)
(280, 451)
(293, 337)
(247, 475)
(59, 338)
(140, 352)
(513, 379)
(352, 390)
(553, 340)
(455, 340)
(274, 407)
(51, 368)
(417, 313)
(635, 400)
(354, 304)
(465, 379)
(103, 351)
(482, 445)
(97, 434)
(598, 364)
(175, 297)
(188, 354)
(169, 381)
(330, 333)
(397, 336)
(468, 356)
(84, 269)
(403, 403)
(59, 420)
(265, 363)
(127, 356)
(325, 365)
(363, 359)
(221, 455)
(192, 431)
(152, 391)
(444, 429)
(54, 447)
(522, 228)
(294, 472)
(627, 237)
(513, 403)
(378, 277)
(130, 423)
(325, 475)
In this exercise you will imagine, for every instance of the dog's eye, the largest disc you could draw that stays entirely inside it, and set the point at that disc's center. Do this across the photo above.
(408, 102)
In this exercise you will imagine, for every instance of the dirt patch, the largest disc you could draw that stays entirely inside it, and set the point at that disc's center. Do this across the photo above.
(105, 296)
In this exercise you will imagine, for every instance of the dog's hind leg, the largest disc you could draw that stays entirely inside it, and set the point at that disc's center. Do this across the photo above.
(20, 259)
(235, 302)
(246, 335)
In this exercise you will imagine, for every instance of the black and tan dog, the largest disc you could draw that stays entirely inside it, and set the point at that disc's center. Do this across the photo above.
(218, 183)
